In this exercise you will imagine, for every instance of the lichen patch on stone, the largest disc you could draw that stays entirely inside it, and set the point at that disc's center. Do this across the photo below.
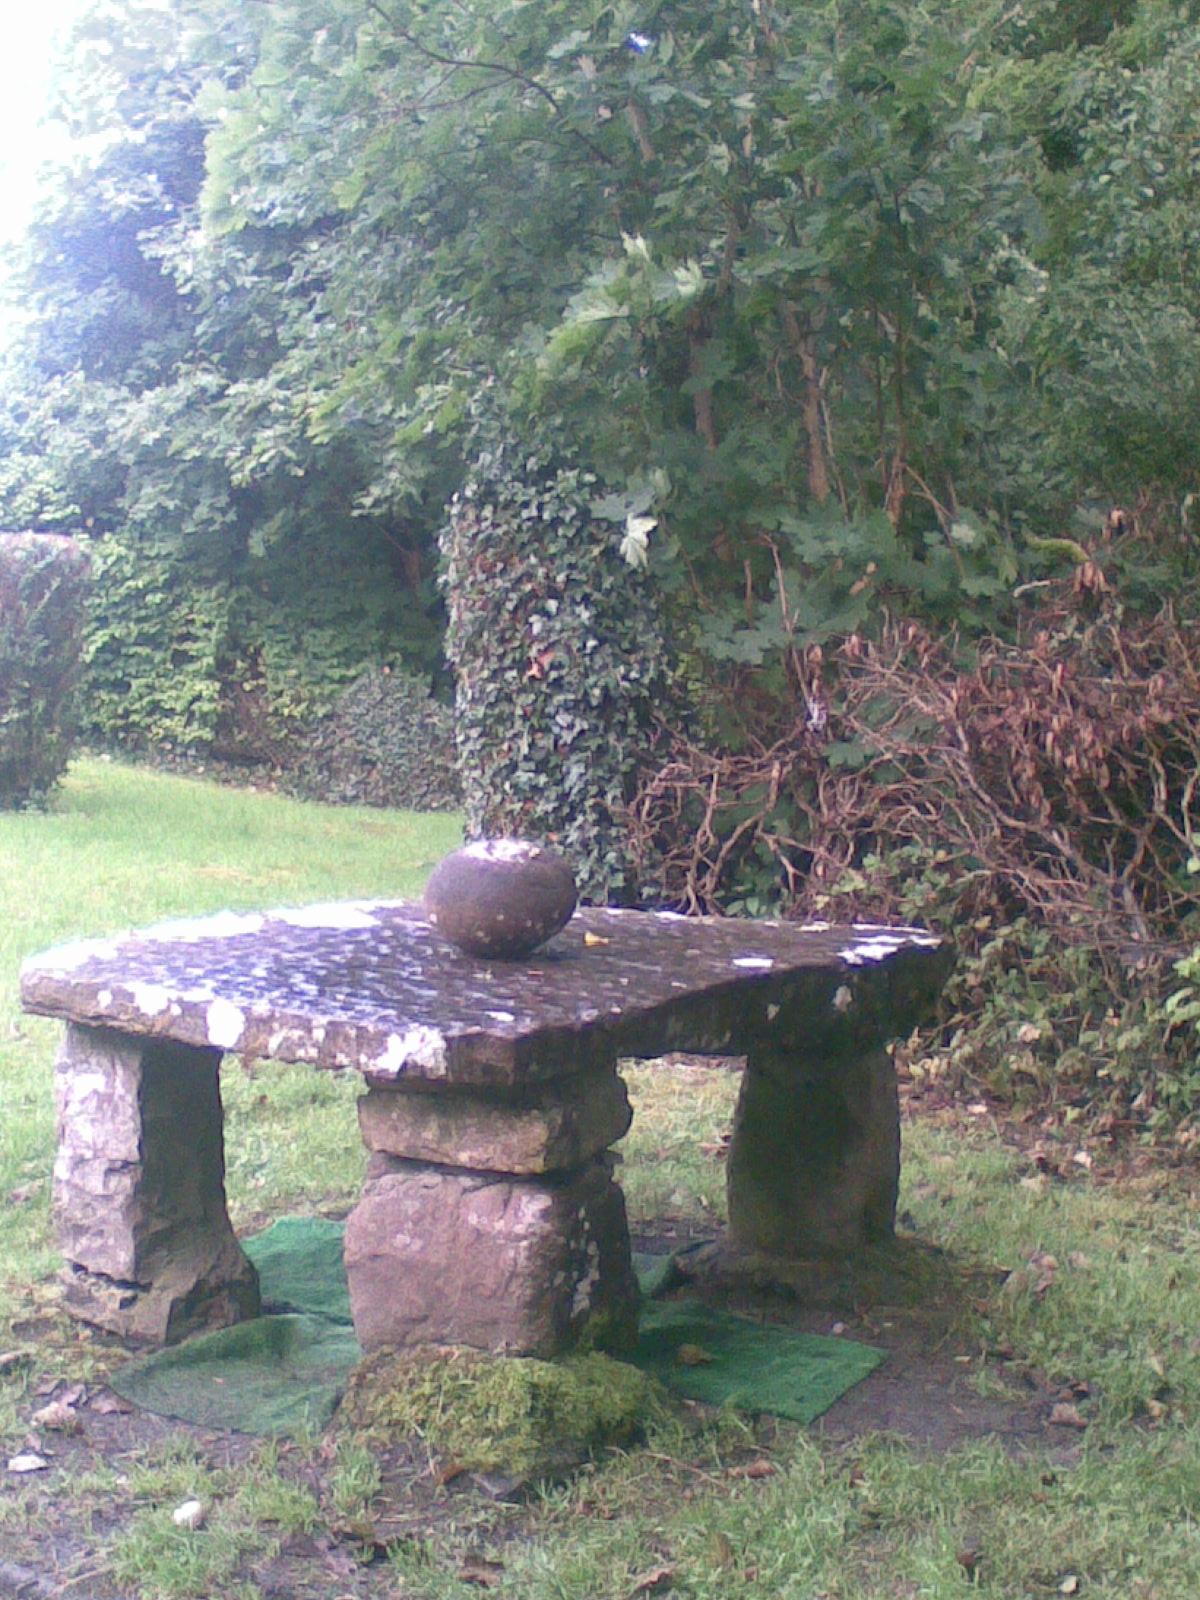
(348, 914)
(226, 1024)
(417, 1046)
(151, 999)
(898, 935)
(502, 850)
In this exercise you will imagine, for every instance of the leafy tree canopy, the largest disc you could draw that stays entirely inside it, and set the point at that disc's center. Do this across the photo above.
(854, 302)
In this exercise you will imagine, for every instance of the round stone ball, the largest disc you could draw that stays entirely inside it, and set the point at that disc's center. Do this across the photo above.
(500, 898)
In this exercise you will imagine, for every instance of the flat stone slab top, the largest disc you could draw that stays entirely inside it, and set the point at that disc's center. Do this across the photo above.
(492, 1101)
(371, 986)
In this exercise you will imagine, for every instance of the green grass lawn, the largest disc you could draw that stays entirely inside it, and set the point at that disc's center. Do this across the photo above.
(1102, 1296)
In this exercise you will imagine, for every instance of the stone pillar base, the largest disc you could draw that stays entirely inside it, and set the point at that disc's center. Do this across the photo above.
(186, 1297)
(517, 1266)
(814, 1156)
(139, 1188)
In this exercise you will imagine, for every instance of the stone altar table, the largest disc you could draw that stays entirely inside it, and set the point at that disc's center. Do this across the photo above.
(489, 1215)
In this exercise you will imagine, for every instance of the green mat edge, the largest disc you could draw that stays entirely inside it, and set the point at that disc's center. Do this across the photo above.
(665, 1326)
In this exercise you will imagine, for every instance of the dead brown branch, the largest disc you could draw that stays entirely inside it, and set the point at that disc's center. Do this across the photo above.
(1054, 776)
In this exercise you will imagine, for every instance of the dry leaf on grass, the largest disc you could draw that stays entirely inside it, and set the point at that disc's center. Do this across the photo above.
(755, 1469)
(480, 1571)
(58, 1416)
(109, 1404)
(693, 1355)
(648, 1582)
(1063, 1415)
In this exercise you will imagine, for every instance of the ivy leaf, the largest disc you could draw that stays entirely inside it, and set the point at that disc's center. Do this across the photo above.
(635, 546)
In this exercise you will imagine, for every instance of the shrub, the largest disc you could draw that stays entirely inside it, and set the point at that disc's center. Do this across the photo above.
(386, 742)
(559, 660)
(1034, 798)
(42, 579)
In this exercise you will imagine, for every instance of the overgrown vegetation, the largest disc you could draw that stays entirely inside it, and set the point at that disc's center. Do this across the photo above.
(900, 286)
(42, 595)
(385, 741)
(1033, 798)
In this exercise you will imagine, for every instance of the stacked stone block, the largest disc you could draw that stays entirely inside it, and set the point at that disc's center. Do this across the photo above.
(493, 1220)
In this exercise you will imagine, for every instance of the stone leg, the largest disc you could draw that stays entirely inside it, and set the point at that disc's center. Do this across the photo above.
(512, 1265)
(139, 1189)
(814, 1159)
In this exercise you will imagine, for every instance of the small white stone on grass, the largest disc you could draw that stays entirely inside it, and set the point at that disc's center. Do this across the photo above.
(189, 1515)
(27, 1462)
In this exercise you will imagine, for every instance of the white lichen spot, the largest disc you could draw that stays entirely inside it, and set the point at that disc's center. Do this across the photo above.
(502, 850)
(76, 1087)
(843, 998)
(151, 999)
(754, 963)
(419, 1047)
(226, 1023)
(899, 935)
(877, 949)
(344, 915)
(581, 1301)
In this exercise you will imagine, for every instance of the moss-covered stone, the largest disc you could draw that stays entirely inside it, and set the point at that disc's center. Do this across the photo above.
(500, 1414)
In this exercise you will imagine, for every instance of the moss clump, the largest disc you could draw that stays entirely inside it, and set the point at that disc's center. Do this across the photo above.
(509, 1414)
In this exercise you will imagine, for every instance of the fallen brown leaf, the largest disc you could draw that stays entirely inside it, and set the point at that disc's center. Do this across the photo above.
(57, 1416)
(109, 1404)
(480, 1571)
(1063, 1415)
(755, 1469)
(647, 1582)
(692, 1355)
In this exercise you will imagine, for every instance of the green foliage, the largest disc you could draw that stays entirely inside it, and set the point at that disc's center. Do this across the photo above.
(42, 595)
(559, 664)
(386, 741)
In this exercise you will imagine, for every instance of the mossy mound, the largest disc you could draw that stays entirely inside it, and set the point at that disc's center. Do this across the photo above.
(500, 1414)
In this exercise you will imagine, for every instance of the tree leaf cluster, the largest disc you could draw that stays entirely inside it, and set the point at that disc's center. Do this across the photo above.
(859, 304)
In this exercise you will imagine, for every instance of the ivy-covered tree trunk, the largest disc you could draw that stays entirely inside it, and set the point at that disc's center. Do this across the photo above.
(558, 656)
